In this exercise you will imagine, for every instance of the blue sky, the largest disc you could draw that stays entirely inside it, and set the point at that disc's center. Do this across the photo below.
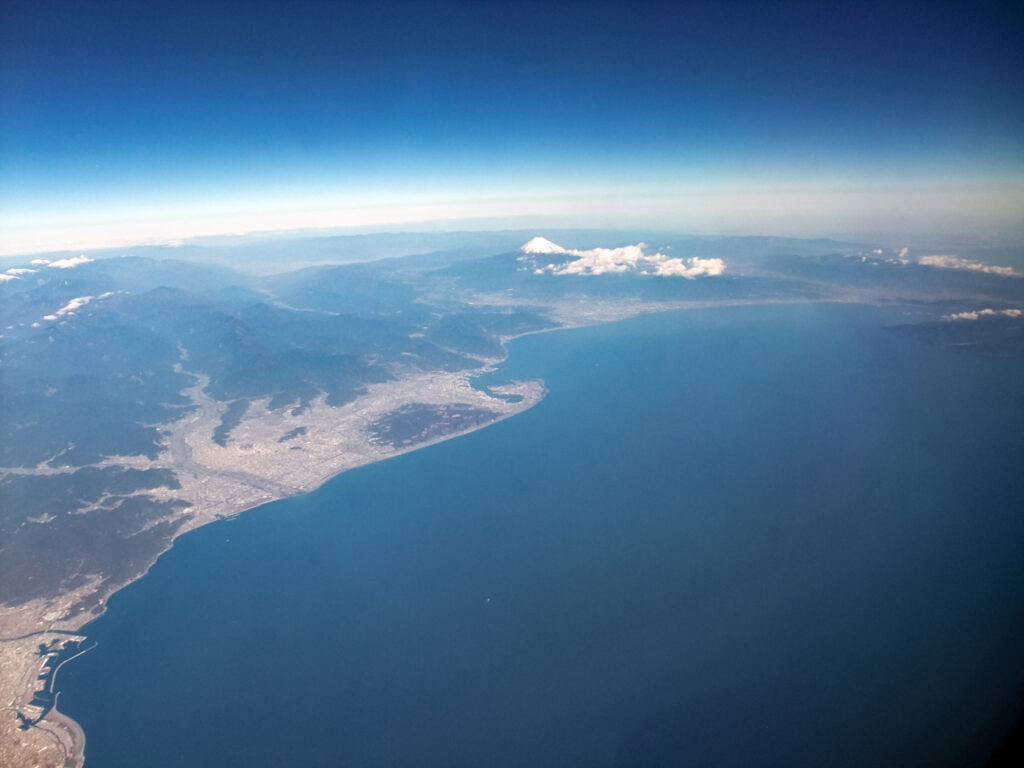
(182, 118)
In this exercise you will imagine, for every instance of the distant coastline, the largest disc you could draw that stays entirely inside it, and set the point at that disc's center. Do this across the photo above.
(223, 481)
(67, 734)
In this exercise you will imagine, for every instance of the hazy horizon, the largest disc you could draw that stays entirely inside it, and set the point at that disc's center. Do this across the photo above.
(127, 124)
(593, 382)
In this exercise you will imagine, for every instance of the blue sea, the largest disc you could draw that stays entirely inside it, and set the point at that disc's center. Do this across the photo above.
(756, 536)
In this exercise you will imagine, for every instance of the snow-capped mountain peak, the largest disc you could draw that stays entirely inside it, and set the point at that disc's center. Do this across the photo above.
(541, 245)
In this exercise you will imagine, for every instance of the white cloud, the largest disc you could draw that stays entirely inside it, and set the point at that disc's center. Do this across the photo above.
(40, 261)
(877, 256)
(628, 258)
(691, 267)
(955, 262)
(601, 261)
(988, 312)
(21, 271)
(5, 278)
(74, 304)
(74, 261)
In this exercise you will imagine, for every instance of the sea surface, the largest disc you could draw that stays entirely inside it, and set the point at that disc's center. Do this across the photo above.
(758, 536)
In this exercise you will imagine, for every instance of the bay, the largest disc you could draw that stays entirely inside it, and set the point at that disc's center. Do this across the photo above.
(744, 536)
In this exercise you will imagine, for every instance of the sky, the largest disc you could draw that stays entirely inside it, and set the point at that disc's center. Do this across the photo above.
(131, 122)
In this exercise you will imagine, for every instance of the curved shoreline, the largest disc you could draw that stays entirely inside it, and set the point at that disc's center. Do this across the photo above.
(65, 730)
(191, 431)
(71, 731)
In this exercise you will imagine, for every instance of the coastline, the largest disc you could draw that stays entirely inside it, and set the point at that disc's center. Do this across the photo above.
(56, 739)
(70, 733)
(221, 482)
(64, 730)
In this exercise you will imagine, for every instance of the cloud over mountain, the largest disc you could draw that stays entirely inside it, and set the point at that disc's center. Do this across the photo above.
(74, 261)
(975, 314)
(75, 304)
(956, 262)
(627, 258)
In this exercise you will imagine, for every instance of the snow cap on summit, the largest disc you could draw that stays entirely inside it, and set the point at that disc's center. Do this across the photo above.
(541, 245)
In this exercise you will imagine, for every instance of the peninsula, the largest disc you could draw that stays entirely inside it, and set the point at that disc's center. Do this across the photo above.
(145, 397)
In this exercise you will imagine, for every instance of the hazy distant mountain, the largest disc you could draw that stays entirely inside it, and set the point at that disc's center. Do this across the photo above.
(98, 354)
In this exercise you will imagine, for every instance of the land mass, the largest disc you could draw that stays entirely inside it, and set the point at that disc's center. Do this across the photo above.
(215, 481)
(145, 398)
